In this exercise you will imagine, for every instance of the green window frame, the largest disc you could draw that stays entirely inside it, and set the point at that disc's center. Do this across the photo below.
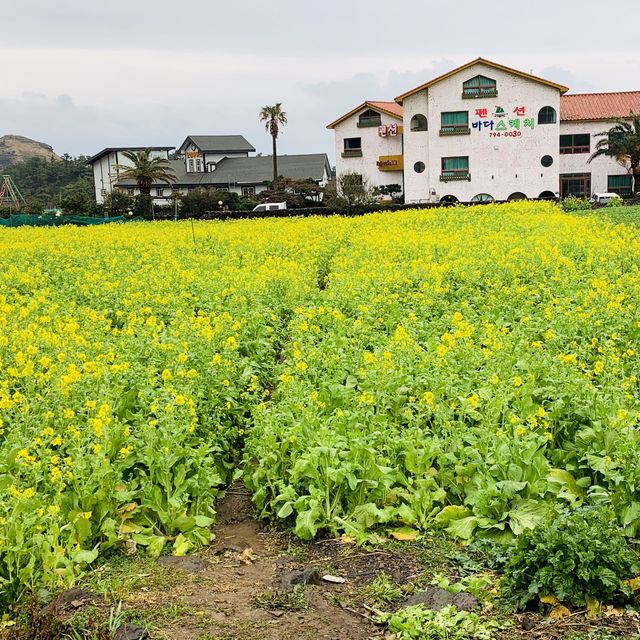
(352, 147)
(455, 168)
(620, 184)
(454, 123)
(369, 118)
(547, 115)
(479, 87)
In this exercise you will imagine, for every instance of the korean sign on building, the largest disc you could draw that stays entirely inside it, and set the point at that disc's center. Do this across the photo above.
(501, 123)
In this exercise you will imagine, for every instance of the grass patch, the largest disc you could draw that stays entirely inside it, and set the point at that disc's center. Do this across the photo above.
(293, 600)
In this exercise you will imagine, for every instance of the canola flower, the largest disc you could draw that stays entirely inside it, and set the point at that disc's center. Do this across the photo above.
(457, 368)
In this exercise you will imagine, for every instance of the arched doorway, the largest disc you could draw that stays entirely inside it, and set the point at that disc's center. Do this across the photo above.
(517, 196)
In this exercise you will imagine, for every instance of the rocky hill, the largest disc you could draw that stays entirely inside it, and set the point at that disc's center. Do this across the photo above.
(18, 148)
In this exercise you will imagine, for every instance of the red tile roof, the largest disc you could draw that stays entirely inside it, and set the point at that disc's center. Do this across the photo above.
(599, 106)
(393, 108)
(390, 108)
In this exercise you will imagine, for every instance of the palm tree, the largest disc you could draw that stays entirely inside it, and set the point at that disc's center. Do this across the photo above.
(145, 170)
(622, 142)
(273, 117)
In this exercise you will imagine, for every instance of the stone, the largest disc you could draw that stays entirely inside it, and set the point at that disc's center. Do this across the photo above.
(288, 579)
(435, 599)
(129, 631)
(188, 564)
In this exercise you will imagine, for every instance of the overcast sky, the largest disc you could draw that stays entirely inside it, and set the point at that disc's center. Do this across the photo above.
(83, 75)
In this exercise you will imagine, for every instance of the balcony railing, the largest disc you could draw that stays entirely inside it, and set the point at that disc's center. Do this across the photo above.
(480, 93)
(369, 122)
(457, 174)
(455, 130)
(352, 153)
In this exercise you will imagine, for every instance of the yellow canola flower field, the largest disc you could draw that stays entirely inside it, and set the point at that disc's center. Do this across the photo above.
(454, 368)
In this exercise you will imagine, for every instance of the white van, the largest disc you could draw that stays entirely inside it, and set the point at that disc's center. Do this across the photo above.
(270, 206)
(603, 198)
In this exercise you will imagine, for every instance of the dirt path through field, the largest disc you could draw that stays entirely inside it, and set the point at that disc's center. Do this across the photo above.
(248, 561)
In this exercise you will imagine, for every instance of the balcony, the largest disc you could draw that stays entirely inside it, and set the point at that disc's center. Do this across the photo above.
(352, 153)
(369, 122)
(451, 176)
(470, 94)
(455, 130)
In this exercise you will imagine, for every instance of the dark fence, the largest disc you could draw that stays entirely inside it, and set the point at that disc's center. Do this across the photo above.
(20, 220)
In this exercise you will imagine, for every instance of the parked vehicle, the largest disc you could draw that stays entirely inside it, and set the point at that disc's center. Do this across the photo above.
(603, 198)
(270, 206)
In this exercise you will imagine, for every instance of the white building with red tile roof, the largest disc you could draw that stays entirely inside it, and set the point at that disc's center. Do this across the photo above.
(485, 131)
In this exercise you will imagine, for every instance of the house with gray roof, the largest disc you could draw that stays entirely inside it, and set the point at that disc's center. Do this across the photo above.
(213, 162)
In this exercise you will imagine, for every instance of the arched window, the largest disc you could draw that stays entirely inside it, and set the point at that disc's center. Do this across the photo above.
(482, 197)
(547, 115)
(479, 87)
(369, 118)
(419, 122)
(547, 195)
(449, 199)
(517, 196)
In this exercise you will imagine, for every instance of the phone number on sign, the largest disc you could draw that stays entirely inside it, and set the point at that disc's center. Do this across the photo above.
(506, 134)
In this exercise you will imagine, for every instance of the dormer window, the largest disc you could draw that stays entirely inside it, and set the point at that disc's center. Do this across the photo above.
(479, 87)
(369, 118)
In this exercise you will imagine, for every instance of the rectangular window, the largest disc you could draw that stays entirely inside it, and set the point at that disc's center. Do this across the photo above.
(619, 184)
(131, 191)
(352, 147)
(159, 192)
(456, 168)
(575, 184)
(454, 123)
(190, 168)
(575, 143)
(248, 191)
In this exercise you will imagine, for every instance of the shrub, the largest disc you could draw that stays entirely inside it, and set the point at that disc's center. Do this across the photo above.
(571, 203)
(615, 202)
(575, 554)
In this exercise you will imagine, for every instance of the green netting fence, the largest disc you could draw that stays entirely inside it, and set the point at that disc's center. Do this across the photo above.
(21, 220)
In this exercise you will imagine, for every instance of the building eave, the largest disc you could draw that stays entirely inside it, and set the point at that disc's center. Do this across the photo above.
(109, 150)
(500, 67)
(367, 104)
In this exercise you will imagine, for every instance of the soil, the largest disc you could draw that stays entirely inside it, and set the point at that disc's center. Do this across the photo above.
(248, 559)
(255, 582)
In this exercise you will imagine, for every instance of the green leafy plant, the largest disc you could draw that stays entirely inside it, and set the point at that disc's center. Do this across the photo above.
(614, 202)
(418, 623)
(382, 590)
(576, 554)
(571, 203)
(291, 600)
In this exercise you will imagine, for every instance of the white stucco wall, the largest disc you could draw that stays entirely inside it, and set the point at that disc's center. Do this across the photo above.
(498, 165)
(105, 176)
(600, 168)
(373, 146)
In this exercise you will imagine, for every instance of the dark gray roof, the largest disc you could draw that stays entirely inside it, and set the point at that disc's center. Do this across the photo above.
(108, 150)
(250, 171)
(220, 144)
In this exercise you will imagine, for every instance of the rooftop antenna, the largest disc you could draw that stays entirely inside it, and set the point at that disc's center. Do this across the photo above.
(9, 193)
